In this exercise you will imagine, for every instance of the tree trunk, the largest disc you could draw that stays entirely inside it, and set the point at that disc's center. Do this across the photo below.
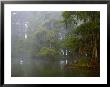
(94, 51)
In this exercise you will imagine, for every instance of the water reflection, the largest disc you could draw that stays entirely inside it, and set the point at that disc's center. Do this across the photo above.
(40, 68)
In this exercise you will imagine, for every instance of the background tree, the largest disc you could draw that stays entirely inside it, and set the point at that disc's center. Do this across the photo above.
(84, 29)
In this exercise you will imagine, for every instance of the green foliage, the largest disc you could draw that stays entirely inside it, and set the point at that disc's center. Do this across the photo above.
(88, 27)
(48, 52)
(70, 42)
(85, 33)
(81, 15)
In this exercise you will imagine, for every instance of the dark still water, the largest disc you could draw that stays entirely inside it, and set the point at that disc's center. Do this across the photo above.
(43, 68)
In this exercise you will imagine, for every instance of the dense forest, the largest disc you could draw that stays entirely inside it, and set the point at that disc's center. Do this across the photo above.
(55, 43)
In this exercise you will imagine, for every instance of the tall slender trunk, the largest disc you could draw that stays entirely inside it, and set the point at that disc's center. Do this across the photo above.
(94, 49)
(95, 54)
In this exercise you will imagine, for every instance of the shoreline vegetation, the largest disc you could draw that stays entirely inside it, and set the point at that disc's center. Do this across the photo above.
(86, 66)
